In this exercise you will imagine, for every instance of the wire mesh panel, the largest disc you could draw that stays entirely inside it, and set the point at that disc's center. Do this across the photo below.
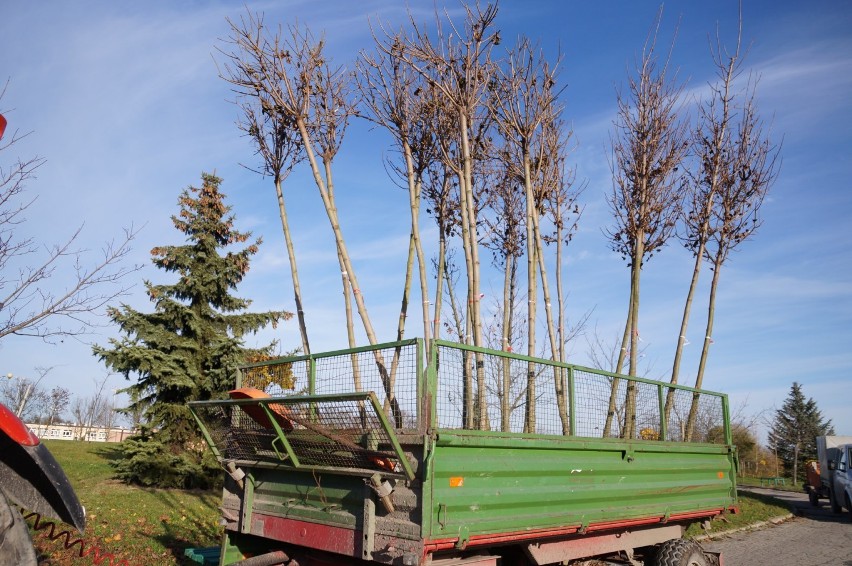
(480, 389)
(530, 395)
(343, 433)
(390, 372)
(599, 410)
(693, 417)
(646, 423)
(507, 383)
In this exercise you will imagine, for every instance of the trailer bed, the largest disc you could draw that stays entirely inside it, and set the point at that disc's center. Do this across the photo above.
(389, 460)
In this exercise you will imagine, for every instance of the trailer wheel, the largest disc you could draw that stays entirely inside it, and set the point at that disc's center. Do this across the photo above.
(813, 497)
(680, 552)
(835, 504)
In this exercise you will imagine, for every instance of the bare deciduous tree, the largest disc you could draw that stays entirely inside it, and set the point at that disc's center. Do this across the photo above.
(57, 403)
(458, 64)
(32, 303)
(736, 206)
(291, 73)
(648, 146)
(711, 143)
(92, 411)
(25, 396)
(525, 106)
(280, 149)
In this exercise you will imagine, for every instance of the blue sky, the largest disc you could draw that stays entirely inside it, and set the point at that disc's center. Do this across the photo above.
(124, 102)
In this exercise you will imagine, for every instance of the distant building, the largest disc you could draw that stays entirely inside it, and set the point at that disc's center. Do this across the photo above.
(80, 432)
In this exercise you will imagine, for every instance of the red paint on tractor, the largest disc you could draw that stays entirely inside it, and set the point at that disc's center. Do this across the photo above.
(15, 429)
(309, 535)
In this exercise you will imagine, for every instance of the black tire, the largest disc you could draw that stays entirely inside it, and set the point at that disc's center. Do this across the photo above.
(680, 552)
(16, 547)
(835, 504)
(813, 497)
(849, 507)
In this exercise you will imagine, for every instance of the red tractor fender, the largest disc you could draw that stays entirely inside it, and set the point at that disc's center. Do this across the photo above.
(31, 477)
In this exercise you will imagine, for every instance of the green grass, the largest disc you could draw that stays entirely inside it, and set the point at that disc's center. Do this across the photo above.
(140, 525)
(754, 508)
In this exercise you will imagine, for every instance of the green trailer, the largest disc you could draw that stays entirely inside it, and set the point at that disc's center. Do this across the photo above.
(414, 453)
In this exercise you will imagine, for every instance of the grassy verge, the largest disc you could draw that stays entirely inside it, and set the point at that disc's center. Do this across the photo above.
(754, 508)
(139, 525)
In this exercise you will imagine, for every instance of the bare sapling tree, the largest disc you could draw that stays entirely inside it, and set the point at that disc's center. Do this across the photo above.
(32, 301)
(393, 97)
(648, 145)
(553, 193)
(458, 64)
(313, 99)
(57, 403)
(437, 194)
(524, 104)
(24, 395)
(280, 149)
(441, 203)
(398, 99)
(92, 411)
(712, 142)
(562, 210)
(506, 242)
(736, 206)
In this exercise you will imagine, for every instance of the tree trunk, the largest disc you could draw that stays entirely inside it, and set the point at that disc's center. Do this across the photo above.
(326, 192)
(532, 299)
(622, 353)
(561, 405)
(635, 279)
(294, 272)
(561, 314)
(439, 285)
(705, 350)
(684, 323)
(506, 339)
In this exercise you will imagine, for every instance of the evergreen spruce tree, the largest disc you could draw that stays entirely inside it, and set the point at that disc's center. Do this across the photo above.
(793, 436)
(188, 347)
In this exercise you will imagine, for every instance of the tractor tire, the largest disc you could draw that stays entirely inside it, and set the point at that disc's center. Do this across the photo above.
(813, 497)
(16, 546)
(835, 504)
(680, 552)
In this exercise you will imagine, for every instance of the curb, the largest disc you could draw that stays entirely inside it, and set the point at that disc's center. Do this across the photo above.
(754, 526)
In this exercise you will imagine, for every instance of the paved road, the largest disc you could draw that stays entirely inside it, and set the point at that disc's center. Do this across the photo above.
(814, 537)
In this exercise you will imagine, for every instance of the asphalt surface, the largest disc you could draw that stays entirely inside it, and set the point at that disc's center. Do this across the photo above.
(814, 536)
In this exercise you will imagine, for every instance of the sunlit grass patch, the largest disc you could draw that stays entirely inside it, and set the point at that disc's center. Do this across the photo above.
(141, 525)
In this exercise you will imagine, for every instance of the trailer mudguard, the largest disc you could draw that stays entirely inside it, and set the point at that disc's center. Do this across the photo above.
(30, 476)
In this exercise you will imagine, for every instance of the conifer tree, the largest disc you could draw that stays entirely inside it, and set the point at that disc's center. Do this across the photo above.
(797, 424)
(188, 347)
